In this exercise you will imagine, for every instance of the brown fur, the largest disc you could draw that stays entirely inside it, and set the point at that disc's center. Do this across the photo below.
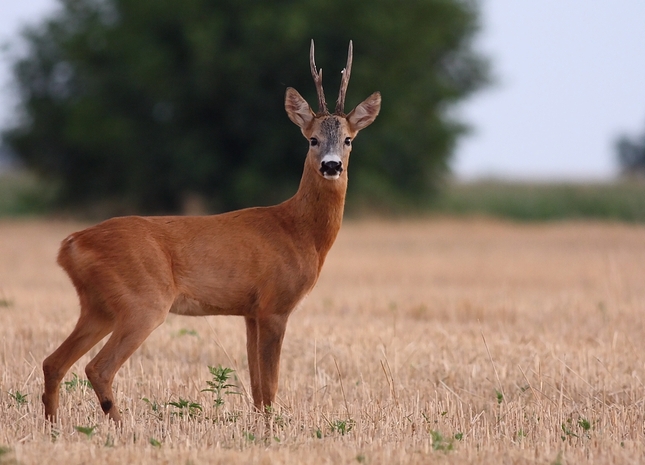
(257, 263)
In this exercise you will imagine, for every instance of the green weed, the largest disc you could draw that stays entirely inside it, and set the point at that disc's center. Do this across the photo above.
(88, 431)
(578, 429)
(187, 332)
(186, 407)
(75, 382)
(19, 398)
(584, 424)
(155, 407)
(220, 383)
(441, 443)
(342, 426)
(154, 443)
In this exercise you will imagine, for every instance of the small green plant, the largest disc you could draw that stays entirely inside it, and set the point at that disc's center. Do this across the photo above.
(439, 442)
(88, 431)
(584, 424)
(360, 458)
(249, 436)
(154, 443)
(75, 382)
(154, 406)
(6, 303)
(220, 384)
(187, 332)
(186, 407)
(568, 432)
(109, 441)
(19, 398)
(342, 426)
(318, 433)
(500, 396)
(278, 420)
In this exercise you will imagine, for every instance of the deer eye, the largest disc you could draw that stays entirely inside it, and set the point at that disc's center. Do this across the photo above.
(313, 141)
(348, 141)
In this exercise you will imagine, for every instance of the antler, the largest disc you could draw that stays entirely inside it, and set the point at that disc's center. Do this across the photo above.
(340, 103)
(318, 81)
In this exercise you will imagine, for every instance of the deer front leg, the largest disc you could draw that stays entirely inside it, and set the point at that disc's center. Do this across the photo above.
(264, 343)
(254, 360)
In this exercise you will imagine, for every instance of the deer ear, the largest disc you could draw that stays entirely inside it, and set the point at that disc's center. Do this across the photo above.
(298, 109)
(365, 113)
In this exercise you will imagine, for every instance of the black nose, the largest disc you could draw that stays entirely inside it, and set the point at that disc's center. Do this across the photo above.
(331, 168)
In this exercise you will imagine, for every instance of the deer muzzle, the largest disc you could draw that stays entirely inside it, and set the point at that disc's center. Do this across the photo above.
(331, 166)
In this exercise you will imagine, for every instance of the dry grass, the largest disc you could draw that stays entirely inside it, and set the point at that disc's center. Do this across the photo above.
(453, 341)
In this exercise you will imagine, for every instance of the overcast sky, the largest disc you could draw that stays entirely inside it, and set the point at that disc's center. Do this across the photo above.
(570, 77)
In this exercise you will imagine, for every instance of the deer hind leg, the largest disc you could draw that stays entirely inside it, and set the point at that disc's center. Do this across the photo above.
(91, 327)
(134, 326)
(264, 344)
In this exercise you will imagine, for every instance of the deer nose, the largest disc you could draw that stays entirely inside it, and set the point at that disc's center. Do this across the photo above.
(331, 168)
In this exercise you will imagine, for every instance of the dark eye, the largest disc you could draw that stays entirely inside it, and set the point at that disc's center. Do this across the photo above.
(348, 140)
(313, 141)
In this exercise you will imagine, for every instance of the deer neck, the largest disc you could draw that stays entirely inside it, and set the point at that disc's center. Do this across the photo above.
(318, 207)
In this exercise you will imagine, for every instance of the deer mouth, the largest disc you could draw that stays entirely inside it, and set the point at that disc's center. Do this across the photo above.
(331, 167)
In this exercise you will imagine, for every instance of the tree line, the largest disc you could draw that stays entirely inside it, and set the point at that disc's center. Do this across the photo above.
(143, 104)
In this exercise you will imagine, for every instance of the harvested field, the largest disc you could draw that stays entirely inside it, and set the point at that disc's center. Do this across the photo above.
(459, 341)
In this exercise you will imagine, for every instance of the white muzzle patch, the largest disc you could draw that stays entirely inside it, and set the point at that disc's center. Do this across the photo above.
(331, 166)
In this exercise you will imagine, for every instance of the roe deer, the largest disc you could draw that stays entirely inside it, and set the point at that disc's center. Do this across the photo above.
(258, 263)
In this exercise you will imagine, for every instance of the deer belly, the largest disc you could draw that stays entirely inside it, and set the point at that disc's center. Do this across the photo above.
(184, 305)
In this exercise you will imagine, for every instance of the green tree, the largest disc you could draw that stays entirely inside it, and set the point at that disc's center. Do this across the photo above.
(630, 152)
(141, 103)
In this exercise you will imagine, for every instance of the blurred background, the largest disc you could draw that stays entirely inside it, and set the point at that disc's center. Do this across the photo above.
(528, 110)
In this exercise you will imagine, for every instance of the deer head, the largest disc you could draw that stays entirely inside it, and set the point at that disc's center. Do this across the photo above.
(330, 135)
